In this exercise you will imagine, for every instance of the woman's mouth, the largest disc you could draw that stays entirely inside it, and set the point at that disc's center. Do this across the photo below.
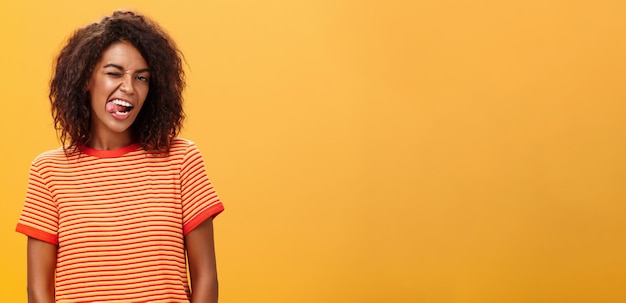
(118, 108)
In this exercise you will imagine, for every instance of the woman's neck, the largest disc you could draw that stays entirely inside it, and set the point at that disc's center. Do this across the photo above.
(113, 142)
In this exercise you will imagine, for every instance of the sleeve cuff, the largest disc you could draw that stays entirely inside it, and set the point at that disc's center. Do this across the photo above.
(37, 234)
(209, 212)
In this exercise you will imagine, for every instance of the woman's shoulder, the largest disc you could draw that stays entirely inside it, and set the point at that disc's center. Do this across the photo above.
(182, 144)
(53, 155)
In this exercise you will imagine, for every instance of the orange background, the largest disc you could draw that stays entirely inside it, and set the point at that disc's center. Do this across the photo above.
(376, 151)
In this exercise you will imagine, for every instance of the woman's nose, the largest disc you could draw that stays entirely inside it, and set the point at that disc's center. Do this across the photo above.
(127, 85)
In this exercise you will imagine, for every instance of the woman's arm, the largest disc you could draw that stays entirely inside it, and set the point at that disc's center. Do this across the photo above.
(41, 263)
(202, 268)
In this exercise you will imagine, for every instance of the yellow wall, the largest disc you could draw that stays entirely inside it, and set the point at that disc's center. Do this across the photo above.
(377, 151)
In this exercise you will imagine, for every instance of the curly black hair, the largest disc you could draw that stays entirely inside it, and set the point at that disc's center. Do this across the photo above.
(161, 116)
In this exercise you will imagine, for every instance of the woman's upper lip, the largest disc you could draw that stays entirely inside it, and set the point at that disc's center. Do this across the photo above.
(121, 99)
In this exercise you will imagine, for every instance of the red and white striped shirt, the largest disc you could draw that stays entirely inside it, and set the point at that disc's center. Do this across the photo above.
(119, 218)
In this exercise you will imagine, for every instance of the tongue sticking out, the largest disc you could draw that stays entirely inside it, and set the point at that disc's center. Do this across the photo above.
(112, 107)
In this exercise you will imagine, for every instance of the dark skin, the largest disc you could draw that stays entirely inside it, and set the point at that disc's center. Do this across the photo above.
(201, 257)
(41, 262)
(199, 243)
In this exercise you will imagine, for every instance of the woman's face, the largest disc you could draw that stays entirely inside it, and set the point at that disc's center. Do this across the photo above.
(118, 88)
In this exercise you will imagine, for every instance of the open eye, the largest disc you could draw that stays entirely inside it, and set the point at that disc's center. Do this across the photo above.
(142, 78)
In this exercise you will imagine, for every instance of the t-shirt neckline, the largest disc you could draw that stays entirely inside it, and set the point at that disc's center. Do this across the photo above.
(109, 153)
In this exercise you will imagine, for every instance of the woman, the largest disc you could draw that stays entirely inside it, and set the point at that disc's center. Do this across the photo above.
(113, 215)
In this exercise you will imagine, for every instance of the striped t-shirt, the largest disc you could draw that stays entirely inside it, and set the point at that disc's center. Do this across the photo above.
(119, 218)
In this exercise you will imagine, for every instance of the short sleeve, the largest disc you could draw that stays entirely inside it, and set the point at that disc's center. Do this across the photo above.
(199, 199)
(39, 218)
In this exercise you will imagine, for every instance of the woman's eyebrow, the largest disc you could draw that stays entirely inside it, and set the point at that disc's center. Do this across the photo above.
(113, 65)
